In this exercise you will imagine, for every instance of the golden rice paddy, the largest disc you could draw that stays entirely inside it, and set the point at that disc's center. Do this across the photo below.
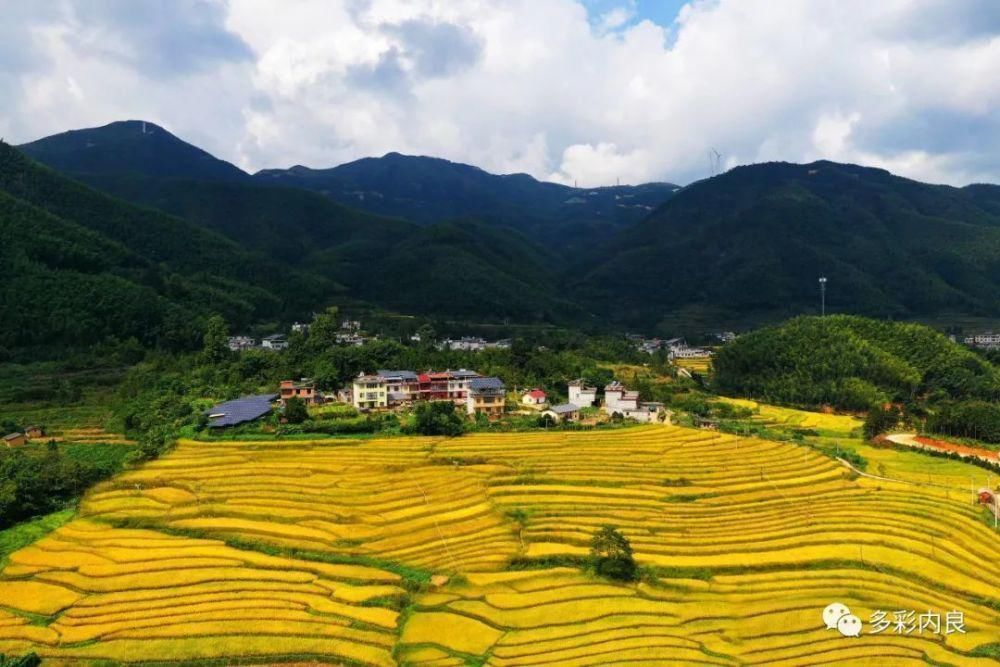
(287, 551)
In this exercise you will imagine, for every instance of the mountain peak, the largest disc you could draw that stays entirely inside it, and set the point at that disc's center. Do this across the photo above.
(133, 147)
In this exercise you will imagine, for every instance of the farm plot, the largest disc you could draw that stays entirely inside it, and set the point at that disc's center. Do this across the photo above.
(744, 542)
(388, 499)
(561, 617)
(701, 500)
(774, 415)
(91, 592)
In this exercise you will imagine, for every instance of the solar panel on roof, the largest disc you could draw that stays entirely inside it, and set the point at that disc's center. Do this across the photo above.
(240, 410)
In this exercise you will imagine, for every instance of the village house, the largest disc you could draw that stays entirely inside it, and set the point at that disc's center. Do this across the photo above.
(458, 384)
(241, 343)
(15, 440)
(350, 325)
(351, 339)
(534, 397)
(473, 344)
(564, 412)
(619, 400)
(986, 339)
(402, 387)
(304, 389)
(34, 432)
(487, 396)
(275, 342)
(370, 392)
(581, 394)
(300, 327)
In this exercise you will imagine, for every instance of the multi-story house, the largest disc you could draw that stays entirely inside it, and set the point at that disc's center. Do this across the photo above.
(275, 342)
(458, 384)
(434, 386)
(486, 395)
(617, 398)
(369, 392)
(304, 389)
(402, 386)
(241, 343)
(582, 395)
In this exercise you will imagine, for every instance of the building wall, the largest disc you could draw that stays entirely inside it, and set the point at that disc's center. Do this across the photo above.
(582, 397)
(369, 395)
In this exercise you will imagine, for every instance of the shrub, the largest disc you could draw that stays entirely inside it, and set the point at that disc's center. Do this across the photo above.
(438, 418)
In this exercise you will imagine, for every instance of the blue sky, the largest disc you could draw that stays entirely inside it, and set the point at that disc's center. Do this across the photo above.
(661, 12)
(534, 86)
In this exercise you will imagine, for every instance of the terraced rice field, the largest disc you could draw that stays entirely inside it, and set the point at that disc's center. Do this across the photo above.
(779, 416)
(746, 542)
(701, 365)
(107, 593)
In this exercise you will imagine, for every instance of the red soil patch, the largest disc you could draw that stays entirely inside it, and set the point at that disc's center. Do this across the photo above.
(964, 450)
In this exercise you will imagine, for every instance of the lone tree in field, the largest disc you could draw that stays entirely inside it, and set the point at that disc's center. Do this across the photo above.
(611, 554)
(296, 411)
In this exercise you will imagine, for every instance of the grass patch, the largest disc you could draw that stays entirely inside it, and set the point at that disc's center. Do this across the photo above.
(28, 532)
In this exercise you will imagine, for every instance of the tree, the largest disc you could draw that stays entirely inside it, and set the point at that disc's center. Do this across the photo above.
(880, 419)
(296, 411)
(323, 330)
(611, 554)
(216, 341)
(438, 418)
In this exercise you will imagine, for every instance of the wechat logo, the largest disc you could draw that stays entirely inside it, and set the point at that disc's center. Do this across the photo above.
(838, 617)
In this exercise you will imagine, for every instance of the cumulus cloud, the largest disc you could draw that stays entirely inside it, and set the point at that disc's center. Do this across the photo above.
(570, 91)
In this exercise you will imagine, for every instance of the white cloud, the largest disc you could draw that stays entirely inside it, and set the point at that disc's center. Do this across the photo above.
(535, 85)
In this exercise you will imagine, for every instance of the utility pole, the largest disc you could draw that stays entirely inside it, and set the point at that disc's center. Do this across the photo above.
(822, 296)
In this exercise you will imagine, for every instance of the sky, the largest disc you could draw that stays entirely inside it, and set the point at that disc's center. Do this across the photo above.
(586, 91)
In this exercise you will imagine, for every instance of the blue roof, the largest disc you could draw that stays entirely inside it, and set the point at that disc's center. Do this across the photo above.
(564, 408)
(241, 410)
(406, 376)
(480, 384)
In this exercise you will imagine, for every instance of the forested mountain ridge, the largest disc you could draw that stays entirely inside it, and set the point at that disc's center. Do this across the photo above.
(734, 251)
(424, 190)
(133, 147)
(749, 245)
(427, 189)
(83, 266)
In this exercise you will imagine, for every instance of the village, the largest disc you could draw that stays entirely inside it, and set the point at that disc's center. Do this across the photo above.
(471, 393)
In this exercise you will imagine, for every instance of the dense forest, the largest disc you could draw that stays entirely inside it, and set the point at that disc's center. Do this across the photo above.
(426, 236)
(853, 363)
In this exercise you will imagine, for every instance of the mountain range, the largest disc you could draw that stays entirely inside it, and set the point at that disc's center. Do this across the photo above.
(427, 236)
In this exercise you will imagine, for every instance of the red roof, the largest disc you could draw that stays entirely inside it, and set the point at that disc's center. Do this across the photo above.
(423, 377)
(536, 393)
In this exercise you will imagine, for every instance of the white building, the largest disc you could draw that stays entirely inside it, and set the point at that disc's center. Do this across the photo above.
(300, 327)
(275, 342)
(458, 384)
(617, 398)
(241, 343)
(582, 395)
(534, 397)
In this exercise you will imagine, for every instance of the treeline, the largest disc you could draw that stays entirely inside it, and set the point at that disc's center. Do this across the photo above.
(852, 363)
(39, 480)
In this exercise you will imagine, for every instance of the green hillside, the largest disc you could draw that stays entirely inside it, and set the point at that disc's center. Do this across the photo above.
(749, 246)
(851, 363)
(83, 266)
